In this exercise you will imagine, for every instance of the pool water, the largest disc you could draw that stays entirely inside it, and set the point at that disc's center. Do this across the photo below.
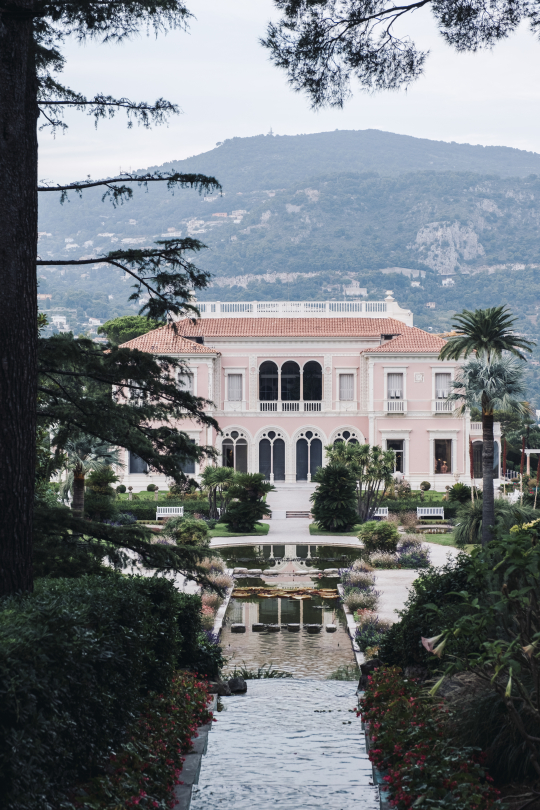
(303, 654)
(287, 745)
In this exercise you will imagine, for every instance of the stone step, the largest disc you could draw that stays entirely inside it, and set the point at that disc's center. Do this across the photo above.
(298, 514)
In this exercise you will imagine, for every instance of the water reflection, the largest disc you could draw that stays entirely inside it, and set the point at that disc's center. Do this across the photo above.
(268, 555)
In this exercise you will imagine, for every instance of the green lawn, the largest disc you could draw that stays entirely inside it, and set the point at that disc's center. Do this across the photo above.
(314, 529)
(439, 539)
(222, 531)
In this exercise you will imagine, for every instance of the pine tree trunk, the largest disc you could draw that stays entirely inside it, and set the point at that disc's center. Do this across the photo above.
(488, 496)
(18, 324)
(78, 494)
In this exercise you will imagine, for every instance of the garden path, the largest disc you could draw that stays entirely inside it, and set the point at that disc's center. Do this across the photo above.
(291, 744)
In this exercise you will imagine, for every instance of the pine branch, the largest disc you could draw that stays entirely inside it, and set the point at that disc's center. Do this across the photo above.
(163, 272)
(118, 193)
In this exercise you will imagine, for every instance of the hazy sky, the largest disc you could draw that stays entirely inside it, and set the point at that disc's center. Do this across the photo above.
(223, 81)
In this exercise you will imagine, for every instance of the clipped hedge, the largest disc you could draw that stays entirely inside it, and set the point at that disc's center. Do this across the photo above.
(146, 510)
(410, 505)
(77, 659)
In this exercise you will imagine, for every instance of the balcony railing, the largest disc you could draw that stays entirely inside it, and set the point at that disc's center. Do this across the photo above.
(289, 407)
(395, 406)
(442, 406)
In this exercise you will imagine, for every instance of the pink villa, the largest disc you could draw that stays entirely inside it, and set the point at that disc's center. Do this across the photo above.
(288, 378)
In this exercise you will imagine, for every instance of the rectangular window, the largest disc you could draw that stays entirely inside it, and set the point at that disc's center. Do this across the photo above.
(346, 387)
(397, 446)
(188, 466)
(442, 385)
(137, 465)
(395, 386)
(234, 387)
(186, 382)
(443, 456)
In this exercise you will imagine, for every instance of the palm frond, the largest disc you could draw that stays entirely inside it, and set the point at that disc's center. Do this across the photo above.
(491, 386)
(487, 332)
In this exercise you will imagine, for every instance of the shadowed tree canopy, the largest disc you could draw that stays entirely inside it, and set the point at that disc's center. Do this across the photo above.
(323, 44)
(76, 381)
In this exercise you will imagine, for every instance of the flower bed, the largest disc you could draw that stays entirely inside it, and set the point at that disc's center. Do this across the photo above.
(409, 747)
(146, 768)
(359, 587)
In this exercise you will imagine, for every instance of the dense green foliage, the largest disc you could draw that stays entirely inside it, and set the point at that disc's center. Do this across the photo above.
(334, 500)
(379, 535)
(120, 330)
(146, 768)
(247, 505)
(100, 500)
(186, 531)
(77, 658)
(436, 588)
(409, 743)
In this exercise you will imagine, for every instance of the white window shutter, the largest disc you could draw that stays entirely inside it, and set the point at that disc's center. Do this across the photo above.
(186, 381)
(346, 387)
(235, 387)
(442, 385)
(395, 386)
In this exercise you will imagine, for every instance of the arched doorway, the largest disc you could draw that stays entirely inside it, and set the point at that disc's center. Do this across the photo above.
(234, 451)
(268, 381)
(308, 455)
(290, 382)
(312, 382)
(272, 456)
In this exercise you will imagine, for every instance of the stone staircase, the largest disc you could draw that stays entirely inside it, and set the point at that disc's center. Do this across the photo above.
(298, 514)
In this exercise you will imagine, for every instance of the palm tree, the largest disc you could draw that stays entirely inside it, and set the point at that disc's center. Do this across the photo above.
(488, 332)
(83, 455)
(489, 386)
(218, 481)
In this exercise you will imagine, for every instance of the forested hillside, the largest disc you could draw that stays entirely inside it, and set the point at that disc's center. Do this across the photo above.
(325, 216)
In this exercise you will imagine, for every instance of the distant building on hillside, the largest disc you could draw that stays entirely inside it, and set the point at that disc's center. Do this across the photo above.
(431, 305)
(220, 215)
(448, 282)
(288, 378)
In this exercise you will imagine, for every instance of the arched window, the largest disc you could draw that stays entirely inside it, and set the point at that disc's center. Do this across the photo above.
(234, 451)
(312, 379)
(272, 456)
(308, 455)
(290, 381)
(347, 436)
(268, 381)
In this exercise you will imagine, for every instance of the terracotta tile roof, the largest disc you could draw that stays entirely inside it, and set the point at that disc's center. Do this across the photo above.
(166, 341)
(411, 340)
(291, 327)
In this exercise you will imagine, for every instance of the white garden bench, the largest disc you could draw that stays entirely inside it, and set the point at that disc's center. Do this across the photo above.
(381, 512)
(430, 511)
(169, 511)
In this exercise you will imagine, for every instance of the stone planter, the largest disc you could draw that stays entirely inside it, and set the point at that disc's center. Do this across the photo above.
(293, 628)
(313, 628)
(258, 628)
(238, 628)
(273, 628)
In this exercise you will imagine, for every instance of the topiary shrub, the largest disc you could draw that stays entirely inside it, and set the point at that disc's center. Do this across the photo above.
(121, 488)
(425, 485)
(379, 536)
(334, 500)
(151, 488)
(186, 531)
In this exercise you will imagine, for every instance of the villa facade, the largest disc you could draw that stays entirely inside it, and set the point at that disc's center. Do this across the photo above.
(288, 378)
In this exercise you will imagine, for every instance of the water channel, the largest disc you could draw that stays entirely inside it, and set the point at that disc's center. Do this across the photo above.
(293, 743)
(287, 745)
